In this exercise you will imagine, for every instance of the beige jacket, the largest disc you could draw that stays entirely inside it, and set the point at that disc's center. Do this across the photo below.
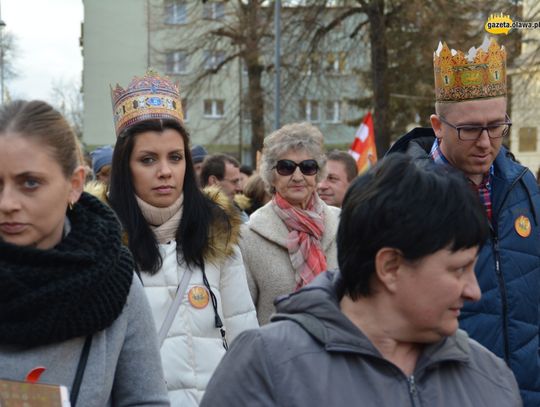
(268, 265)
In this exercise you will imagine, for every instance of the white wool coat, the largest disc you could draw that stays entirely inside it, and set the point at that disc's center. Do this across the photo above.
(193, 347)
(268, 266)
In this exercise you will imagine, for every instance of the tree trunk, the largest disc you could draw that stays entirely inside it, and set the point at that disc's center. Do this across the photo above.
(256, 108)
(379, 72)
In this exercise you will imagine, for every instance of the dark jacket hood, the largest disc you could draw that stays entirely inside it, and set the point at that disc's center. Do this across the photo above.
(316, 309)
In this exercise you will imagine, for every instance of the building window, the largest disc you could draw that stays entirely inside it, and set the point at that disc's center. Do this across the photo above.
(175, 12)
(310, 64)
(212, 59)
(185, 109)
(214, 10)
(335, 63)
(528, 137)
(310, 110)
(333, 111)
(177, 62)
(214, 108)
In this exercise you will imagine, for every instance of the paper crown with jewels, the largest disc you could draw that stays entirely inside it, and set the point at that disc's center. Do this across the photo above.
(479, 74)
(147, 98)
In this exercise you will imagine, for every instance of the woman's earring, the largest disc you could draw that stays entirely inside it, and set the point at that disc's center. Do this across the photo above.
(70, 205)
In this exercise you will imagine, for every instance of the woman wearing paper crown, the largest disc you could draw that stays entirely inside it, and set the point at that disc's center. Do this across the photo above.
(184, 241)
(69, 300)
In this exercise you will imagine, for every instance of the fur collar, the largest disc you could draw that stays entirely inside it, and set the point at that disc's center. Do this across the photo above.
(221, 244)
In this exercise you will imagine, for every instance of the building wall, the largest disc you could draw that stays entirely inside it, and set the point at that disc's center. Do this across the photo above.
(525, 140)
(118, 45)
(114, 50)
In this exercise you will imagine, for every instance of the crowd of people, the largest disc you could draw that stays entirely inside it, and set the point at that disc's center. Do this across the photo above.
(182, 277)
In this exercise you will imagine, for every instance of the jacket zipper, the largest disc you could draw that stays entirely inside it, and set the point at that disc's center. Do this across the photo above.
(498, 272)
(412, 390)
(504, 300)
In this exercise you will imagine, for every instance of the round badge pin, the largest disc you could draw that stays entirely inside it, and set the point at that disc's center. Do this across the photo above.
(198, 297)
(523, 226)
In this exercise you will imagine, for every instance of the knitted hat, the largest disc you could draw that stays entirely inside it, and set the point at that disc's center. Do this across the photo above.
(198, 153)
(101, 156)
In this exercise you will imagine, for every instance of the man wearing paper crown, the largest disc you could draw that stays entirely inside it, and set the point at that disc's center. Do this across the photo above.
(467, 132)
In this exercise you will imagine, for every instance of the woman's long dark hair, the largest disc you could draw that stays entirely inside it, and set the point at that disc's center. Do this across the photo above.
(199, 212)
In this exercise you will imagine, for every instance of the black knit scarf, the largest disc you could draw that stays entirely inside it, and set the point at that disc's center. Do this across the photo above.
(77, 288)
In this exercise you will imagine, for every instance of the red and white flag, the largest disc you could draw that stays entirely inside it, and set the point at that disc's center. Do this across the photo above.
(363, 147)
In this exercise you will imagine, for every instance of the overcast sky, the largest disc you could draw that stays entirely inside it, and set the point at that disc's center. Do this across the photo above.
(47, 38)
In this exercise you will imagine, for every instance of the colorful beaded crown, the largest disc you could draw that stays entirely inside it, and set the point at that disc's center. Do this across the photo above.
(146, 98)
(480, 74)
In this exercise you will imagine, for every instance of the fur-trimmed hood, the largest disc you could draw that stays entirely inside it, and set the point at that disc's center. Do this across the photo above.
(98, 189)
(221, 243)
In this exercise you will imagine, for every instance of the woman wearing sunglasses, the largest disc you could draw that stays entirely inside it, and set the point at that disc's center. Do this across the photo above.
(291, 239)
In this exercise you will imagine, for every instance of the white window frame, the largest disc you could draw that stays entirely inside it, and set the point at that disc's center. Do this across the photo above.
(212, 59)
(337, 66)
(214, 10)
(176, 12)
(177, 62)
(311, 110)
(216, 108)
(333, 111)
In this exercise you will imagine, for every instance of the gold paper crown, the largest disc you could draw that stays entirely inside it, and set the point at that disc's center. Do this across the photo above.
(147, 98)
(480, 74)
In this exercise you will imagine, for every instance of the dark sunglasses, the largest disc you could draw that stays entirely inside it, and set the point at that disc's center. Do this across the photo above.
(287, 167)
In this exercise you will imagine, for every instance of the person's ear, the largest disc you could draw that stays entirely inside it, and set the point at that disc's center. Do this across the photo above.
(213, 180)
(387, 263)
(77, 184)
(436, 125)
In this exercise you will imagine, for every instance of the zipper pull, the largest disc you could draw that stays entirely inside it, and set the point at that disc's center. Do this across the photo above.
(412, 385)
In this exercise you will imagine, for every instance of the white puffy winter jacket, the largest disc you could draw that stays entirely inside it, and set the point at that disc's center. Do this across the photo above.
(193, 347)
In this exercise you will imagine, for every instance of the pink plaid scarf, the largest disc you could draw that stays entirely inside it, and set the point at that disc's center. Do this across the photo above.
(306, 228)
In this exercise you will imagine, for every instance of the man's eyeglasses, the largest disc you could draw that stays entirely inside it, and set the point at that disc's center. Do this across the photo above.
(471, 133)
(287, 167)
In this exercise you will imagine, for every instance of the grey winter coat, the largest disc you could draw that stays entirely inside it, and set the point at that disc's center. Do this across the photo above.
(314, 356)
(123, 368)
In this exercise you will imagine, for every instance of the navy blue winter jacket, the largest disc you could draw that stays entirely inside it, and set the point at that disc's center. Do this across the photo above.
(506, 319)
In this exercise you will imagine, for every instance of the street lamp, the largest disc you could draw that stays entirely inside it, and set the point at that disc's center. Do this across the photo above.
(277, 64)
(2, 26)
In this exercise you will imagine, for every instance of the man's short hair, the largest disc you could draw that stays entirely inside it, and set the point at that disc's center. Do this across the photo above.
(246, 169)
(348, 161)
(215, 165)
(417, 208)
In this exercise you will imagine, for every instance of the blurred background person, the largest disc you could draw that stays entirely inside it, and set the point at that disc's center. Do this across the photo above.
(223, 171)
(341, 169)
(198, 153)
(69, 300)
(184, 241)
(101, 163)
(245, 172)
(256, 193)
(291, 239)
